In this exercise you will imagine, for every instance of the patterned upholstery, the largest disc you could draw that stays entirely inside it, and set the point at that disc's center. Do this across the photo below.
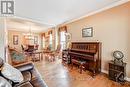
(17, 57)
(1, 62)
(36, 81)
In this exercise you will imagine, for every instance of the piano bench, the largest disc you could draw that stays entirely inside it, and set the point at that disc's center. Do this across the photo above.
(80, 63)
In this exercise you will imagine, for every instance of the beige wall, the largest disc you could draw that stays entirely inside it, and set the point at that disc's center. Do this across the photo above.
(21, 40)
(112, 28)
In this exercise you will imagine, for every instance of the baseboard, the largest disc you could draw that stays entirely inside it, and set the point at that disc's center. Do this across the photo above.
(127, 79)
(106, 72)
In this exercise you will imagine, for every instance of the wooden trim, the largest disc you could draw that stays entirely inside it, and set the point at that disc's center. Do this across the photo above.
(21, 64)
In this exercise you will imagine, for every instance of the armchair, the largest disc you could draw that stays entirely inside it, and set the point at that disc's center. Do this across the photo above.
(17, 57)
(53, 54)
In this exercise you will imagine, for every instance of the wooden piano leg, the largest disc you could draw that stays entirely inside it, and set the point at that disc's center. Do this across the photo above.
(71, 65)
(80, 67)
(94, 69)
(94, 73)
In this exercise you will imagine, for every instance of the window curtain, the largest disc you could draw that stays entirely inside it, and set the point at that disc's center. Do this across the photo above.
(49, 32)
(43, 34)
(61, 29)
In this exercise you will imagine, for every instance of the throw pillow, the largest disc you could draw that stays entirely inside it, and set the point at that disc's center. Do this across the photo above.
(4, 82)
(11, 73)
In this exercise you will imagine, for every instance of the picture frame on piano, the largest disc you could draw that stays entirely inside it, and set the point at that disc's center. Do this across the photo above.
(87, 32)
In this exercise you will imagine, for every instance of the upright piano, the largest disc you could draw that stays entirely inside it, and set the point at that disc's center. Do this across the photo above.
(89, 52)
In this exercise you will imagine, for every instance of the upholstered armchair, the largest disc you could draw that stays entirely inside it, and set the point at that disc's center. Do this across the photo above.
(17, 57)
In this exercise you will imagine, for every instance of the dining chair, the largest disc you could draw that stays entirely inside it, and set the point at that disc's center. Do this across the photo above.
(53, 54)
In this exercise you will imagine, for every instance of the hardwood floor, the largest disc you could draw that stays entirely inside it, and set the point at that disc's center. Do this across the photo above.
(55, 74)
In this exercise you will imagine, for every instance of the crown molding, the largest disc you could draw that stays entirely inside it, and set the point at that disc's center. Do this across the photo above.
(97, 11)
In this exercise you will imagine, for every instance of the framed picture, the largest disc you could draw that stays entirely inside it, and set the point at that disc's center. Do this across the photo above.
(35, 39)
(87, 32)
(15, 39)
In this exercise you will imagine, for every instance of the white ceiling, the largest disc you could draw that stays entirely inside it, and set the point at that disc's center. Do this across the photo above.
(25, 25)
(54, 12)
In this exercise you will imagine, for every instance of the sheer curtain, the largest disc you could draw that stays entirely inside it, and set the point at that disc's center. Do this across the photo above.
(62, 40)
(50, 41)
(43, 40)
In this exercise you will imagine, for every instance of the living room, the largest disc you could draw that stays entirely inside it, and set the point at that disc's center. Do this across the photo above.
(86, 50)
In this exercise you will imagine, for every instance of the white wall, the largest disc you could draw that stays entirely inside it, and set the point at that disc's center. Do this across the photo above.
(2, 38)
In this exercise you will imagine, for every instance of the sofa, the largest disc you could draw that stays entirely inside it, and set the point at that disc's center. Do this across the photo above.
(31, 76)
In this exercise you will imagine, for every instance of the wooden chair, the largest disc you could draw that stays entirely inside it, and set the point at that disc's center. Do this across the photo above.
(36, 47)
(53, 54)
(23, 49)
(57, 52)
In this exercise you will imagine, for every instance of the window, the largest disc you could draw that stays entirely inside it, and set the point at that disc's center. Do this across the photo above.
(50, 41)
(43, 42)
(62, 40)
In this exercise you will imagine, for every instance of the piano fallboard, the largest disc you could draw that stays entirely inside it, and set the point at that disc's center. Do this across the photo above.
(84, 56)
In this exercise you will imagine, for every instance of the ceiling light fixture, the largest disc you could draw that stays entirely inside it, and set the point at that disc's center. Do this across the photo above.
(29, 35)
